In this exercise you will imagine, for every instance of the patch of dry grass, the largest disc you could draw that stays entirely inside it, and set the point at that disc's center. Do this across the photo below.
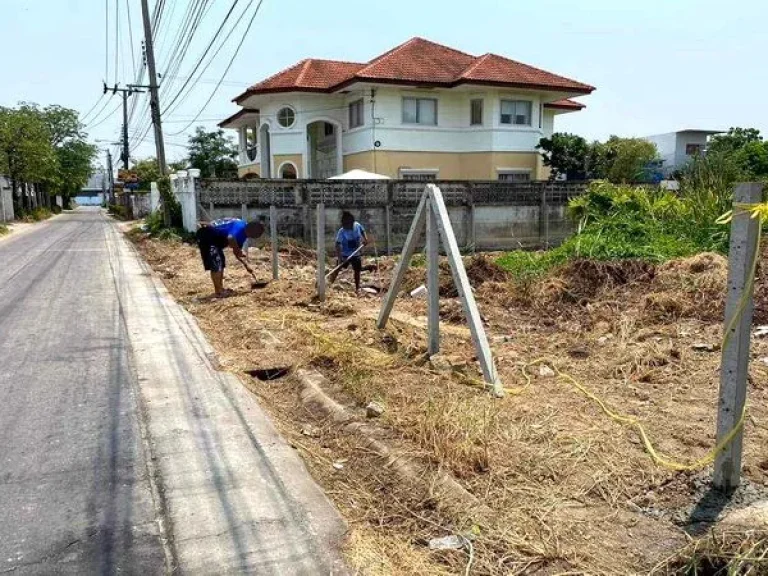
(561, 480)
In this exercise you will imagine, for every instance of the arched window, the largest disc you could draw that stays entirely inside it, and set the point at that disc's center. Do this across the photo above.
(288, 171)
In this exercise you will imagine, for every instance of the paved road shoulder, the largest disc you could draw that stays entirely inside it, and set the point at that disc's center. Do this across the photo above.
(237, 497)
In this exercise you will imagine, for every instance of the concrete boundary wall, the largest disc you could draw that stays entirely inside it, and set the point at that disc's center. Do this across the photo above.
(485, 215)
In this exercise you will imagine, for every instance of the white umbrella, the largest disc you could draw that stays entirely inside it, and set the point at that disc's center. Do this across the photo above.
(359, 175)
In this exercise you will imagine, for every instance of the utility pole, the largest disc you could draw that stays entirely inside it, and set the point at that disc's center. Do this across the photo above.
(125, 92)
(111, 178)
(154, 100)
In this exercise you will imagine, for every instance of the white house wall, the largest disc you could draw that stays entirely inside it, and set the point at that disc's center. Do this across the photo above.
(453, 132)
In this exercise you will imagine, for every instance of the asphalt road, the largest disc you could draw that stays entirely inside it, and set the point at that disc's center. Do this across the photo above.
(75, 494)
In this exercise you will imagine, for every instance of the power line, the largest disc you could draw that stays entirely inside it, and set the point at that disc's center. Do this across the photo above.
(105, 118)
(205, 53)
(226, 71)
(130, 34)
(91, 109)
(117, 37)
(218, 50)
(106, 40)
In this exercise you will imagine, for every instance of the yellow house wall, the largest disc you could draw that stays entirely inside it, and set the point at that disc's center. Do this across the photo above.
(452, 165)
(251, 169)
(293, 158)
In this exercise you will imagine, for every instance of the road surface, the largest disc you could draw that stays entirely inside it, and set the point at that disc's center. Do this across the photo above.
(122, 448)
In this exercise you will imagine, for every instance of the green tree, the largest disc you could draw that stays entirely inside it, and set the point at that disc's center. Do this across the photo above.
(566, 154)
(147, 171)
(745, 148)
(627, 159)
(733, 141)
(26, 152)
(75, 167)
(213, 153)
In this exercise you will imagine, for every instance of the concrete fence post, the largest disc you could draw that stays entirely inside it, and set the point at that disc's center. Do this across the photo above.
(154, 197)
(433, 282)
(388, 228)
(320, 252)
(189, 213)
(273, 240)
(244, 211)
(734, 367)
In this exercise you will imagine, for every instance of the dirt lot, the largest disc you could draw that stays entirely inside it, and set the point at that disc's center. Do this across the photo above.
(560, 487)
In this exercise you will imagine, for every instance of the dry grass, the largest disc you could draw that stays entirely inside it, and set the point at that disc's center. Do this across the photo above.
(568, 490)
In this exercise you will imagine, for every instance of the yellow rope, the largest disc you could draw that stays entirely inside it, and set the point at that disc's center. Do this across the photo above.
(755, 211)
(625, 420)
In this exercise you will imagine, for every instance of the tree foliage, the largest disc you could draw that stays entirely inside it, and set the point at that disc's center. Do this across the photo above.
(45, 146)
(566, 154)
(619, 160)
(213, 153)
(744, 149)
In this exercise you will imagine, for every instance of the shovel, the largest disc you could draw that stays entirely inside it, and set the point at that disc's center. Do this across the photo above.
(335, 272)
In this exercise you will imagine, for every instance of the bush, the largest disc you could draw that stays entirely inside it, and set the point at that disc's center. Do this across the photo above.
(625, 222)
(118, 211)
(4, 229)
(37, 215)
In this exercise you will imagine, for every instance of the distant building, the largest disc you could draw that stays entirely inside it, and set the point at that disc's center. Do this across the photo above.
(92, 194)
(421, 111)
(677, 148)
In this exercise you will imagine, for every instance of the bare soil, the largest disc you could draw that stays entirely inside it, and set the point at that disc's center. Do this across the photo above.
(564, 488)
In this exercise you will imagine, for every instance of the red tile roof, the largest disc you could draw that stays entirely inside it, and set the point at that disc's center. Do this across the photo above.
(565, 104)
(416, 62)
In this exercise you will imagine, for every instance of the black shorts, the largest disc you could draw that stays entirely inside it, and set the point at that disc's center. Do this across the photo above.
(211, 250)
(356, 262)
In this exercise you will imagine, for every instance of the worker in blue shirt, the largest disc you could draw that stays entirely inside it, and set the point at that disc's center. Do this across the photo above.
(350, 239)
(214, 237)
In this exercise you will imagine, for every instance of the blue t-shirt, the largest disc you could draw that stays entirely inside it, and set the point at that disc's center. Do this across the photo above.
(350, 239)
(231, 227)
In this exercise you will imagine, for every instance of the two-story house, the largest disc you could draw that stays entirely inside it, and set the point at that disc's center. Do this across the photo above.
(420, 111)
(676, 149)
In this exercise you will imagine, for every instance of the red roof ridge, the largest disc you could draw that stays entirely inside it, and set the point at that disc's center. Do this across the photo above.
(406, 44)
(300, 77)
(279, 72)
(529, 67)
(479, 60)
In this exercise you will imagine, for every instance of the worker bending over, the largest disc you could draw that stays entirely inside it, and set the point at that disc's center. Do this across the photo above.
(214, 237)
(350, 240)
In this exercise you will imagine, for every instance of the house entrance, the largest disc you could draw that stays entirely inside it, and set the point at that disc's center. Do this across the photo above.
(324, 147)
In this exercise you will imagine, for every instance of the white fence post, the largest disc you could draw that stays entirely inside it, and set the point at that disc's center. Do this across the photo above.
(734, 367)
(154, 197)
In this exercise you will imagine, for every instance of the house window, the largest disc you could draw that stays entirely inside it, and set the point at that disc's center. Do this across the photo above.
(251, 143)
(356, 117)
(514, 176)
(516, 112)
(420, 111)
(417, 175)
(692, 149)
(476, 112)
(286, 117)
(288, 171)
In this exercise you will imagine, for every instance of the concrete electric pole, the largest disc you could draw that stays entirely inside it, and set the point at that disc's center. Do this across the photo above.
(125, 92)
(154, 99)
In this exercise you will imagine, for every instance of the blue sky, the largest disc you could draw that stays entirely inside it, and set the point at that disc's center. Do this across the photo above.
(658, 65)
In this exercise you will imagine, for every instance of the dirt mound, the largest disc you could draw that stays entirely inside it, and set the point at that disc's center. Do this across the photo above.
(689, 287)
(584, 280)
(480, 269)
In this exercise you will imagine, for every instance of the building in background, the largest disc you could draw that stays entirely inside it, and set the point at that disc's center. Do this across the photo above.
(94, 192)
(676, 149)
(421, 111)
